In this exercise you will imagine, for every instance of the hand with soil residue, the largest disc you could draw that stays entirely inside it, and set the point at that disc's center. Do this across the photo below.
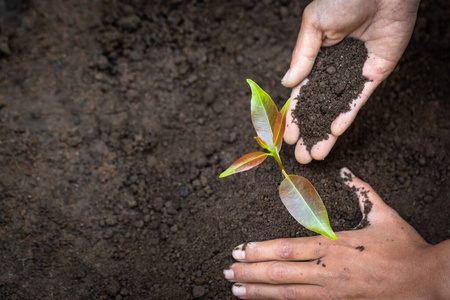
(384, 25)
(387, 259)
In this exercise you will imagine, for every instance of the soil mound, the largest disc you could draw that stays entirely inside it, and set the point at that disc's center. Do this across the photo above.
(335, 80)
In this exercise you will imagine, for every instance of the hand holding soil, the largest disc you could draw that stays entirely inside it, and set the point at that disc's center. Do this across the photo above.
(386, 260)
(385, 27)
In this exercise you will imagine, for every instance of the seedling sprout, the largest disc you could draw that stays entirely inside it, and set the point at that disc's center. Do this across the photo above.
(296, 192)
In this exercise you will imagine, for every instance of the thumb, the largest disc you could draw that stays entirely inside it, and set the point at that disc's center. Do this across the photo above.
(373, 208)
(306, 49)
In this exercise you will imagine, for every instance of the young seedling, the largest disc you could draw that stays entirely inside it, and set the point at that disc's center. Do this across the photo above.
(297, 193)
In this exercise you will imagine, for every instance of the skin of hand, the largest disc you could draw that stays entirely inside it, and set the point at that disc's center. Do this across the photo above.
(384, 25)
(386, 260)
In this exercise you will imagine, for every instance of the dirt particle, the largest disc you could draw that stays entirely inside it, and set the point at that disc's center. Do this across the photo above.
(129, 22)
(102, 62)
(111, 221)
(136, 55)
(184, 192)
(367, 208)
(139, 224)
(422, 162)
(108, 234)
(151, 162)
(331, 70)
(158, 203)
(348, 177)
(428, 199)
(171, 207)
(244, 246)
(113, 288)
(198, 291)
(124, 292)
(174, 228)
(360, 248)
(131, 202)
(106, 172)
(4, 48)
(201, 161)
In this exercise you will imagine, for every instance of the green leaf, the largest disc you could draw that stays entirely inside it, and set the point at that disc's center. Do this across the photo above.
(262, 143)
(264, 113)
(280, 124)
(245, 163)
(305, 205)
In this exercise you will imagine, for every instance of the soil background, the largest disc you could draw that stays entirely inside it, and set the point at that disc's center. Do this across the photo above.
(117, 117)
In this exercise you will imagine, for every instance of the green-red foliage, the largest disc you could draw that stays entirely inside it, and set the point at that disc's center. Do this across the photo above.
(297, 193)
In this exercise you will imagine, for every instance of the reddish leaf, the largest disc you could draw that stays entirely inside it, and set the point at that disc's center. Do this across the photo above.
(245, 163)
(262, 143)
(305, 205)
(280, 124)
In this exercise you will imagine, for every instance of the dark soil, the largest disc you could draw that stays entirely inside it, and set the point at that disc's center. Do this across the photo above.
(334, 82)
(117, 117)
(360, 248)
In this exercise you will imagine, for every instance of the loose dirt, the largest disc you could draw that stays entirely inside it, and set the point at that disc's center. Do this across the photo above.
(334, 82)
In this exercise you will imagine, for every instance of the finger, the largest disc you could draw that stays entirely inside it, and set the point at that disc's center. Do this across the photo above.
(371, 205)
(320, 150)
(307, 248)
(376, 69)
(308, 45)
(278, 272)
(344, 120)
(267, 291)
(292, 131)
(302, 155)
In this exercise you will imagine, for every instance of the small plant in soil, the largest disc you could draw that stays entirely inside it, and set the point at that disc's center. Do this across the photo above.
(296, 192)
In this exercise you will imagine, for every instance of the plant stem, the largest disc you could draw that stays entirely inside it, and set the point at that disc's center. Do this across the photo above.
(280, 164)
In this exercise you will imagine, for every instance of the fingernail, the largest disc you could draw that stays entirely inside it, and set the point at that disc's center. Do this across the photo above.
(229, 274)
(286, 77)
(238, 253)
(238, 290)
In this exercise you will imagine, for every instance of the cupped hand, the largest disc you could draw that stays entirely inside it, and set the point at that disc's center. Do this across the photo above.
(386, 260)
(384, 25)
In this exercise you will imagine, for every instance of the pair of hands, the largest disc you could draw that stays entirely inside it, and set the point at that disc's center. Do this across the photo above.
(386, 260)
(384, 25)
